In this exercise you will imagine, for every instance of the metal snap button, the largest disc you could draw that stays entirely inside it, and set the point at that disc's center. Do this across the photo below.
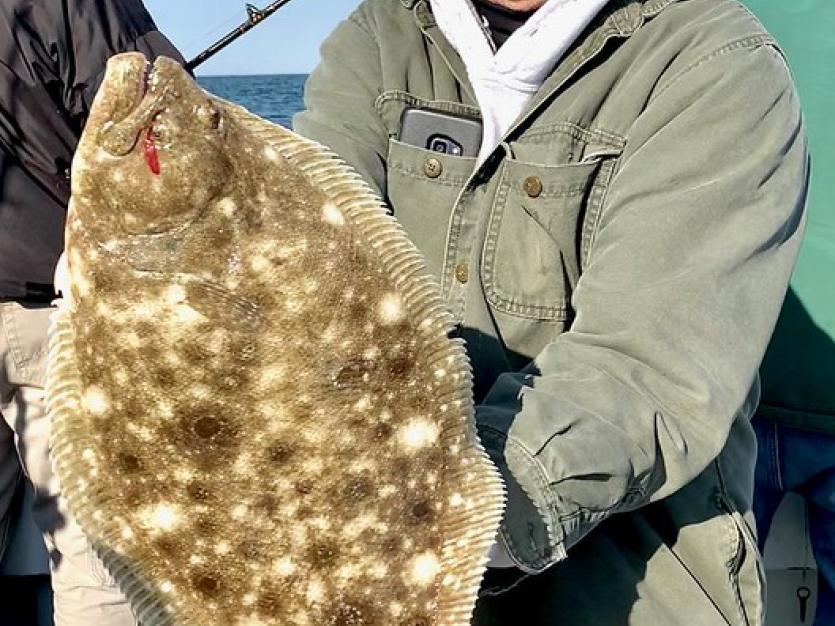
(433, 167)
(532, 186)
(462, 273)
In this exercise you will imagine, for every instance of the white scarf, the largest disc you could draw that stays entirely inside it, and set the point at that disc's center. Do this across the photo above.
(505, 81)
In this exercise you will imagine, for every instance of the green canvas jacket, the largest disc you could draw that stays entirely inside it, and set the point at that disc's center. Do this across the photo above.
(617, 266)
(798, 373)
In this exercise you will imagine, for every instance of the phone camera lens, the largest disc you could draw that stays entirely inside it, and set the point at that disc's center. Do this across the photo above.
(444, 145)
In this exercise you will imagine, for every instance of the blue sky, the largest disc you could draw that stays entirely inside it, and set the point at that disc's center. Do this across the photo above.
(288, 42)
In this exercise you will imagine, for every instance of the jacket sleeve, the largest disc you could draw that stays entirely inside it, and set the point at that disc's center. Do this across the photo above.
(340, 100)
(97, 30)
(690, 264)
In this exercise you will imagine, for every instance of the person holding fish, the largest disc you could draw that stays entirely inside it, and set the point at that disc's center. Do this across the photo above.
(51, 63)
(611, 195)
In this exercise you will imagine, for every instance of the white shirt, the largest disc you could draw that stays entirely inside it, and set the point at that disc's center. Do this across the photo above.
(504, 81)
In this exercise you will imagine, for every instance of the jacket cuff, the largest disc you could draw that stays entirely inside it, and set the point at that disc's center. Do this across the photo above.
(530, 529)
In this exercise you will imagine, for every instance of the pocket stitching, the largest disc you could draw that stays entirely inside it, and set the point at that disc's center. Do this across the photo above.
(558, 312)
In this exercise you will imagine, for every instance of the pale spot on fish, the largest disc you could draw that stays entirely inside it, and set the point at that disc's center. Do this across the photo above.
(418, 434)
(184, 474)
(378, 570)
(390, 309)
(284, 566)
(260, 263)
(315, 592)
(175, 294)
(424, 569)
(271, 153)
(95, 401)
(332, 214)
(187, 315)
(251, 620)
(163, 517)
(227, 206)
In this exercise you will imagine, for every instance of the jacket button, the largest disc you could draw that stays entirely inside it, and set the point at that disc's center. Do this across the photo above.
(433, 167)
(532, 186)
(462, 273)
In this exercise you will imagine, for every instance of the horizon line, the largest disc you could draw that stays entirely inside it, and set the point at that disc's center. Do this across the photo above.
(256, 75)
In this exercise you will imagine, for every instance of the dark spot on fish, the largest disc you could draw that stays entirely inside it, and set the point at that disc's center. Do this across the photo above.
(233, 380)
(358, 488)
(352, 374)
(421, 512)
(206, 526)
(206, 584)
(198, 491)
(246, 353)
(207, 427)
(280, 452)
(252, 220)
(382, 432)
(399, 366)
(165, 377)
(210, 426)
(322, 554)
(270, 602)
(267, 503)
(303, 487)
(195, 353)
(351, 613)
(145, 329)
(132, 495)
(128, 462)
(390, 545)
(250, 550)
(167, 546)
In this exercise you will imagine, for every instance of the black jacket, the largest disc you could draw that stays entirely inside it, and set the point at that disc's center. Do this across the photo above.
(52, 59)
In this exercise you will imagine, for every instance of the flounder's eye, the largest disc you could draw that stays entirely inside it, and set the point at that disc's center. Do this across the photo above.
(208, 116)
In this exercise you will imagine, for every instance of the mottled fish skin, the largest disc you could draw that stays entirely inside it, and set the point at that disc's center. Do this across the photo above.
(258, 416)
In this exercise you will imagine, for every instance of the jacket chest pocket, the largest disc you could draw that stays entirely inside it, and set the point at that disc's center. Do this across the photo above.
(422, 187)
(540, 222)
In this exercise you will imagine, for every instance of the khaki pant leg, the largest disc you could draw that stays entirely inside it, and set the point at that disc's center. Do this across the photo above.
(85, 595)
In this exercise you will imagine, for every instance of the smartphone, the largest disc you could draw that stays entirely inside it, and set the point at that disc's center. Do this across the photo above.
(444, 133)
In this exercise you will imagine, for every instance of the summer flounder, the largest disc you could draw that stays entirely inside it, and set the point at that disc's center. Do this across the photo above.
(259, 418)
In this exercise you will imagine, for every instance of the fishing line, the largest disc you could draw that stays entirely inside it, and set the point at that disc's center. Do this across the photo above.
(193, 44)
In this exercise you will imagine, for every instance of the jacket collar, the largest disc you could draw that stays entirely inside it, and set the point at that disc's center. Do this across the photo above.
(628, 15)
(618, 19)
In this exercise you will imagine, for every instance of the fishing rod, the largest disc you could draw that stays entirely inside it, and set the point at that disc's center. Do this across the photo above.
(254, 17)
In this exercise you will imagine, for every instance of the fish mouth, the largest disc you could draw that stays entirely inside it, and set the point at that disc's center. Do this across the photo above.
(134, 93)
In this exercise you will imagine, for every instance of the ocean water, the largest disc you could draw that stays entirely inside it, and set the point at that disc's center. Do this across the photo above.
(274, 97)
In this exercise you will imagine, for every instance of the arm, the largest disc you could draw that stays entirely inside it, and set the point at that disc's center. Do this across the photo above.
(339, 101)
(690, 264)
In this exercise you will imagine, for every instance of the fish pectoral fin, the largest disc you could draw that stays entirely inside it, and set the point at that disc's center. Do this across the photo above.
(218, 303)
